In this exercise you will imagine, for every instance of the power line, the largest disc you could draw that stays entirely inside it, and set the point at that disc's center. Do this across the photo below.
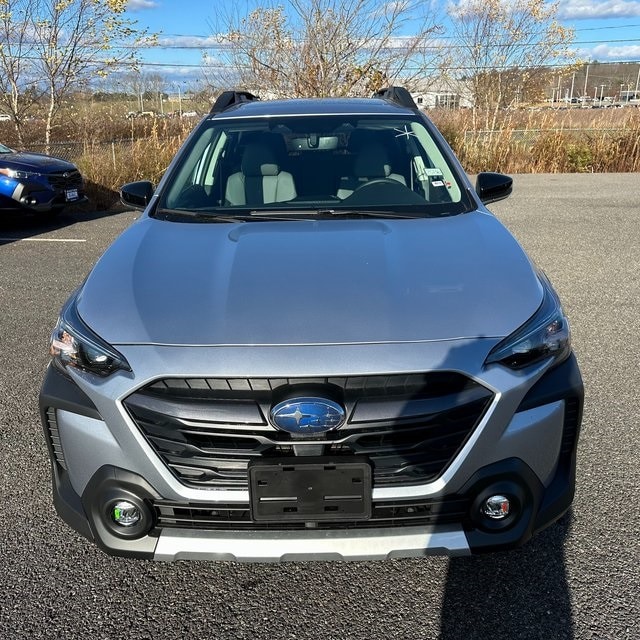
(224, 47)
(133, 64)
(426, 47)
(408, 68)
(603, 28)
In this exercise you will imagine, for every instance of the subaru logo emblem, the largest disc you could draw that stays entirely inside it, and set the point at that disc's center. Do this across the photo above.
(307, 416)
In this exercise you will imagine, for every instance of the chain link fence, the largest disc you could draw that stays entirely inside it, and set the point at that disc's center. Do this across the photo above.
(528, 137)
(71, 151)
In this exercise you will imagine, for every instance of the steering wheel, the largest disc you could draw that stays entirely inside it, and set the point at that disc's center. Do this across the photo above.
(375, 181)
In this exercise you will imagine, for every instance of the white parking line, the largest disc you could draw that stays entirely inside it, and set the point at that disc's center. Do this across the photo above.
(42, 240)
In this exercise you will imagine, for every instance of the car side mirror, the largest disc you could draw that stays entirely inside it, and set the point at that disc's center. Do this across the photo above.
(137, 194)
(492, 187)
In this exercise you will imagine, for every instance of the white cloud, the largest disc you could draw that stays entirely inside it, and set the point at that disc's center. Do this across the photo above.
(136, 5)
(189, 42)
(606, 52)
(588, 9)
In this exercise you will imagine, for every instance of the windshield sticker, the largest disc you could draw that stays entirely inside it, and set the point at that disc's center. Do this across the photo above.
(432, 172)
(405, 132)
(437, 183)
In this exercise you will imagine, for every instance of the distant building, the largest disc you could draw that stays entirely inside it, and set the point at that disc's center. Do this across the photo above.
(443, 93)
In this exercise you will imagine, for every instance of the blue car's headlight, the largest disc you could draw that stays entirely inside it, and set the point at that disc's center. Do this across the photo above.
(18, 174)
(545, 335)
(73, 344)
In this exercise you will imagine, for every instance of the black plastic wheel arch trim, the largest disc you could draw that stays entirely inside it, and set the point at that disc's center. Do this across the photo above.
(559, 383)
(61, 392)
(67, 502)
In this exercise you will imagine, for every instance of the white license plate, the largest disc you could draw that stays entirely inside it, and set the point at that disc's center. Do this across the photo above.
(71, 194)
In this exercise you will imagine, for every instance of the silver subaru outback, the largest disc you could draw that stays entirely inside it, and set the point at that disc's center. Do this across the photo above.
(315, 343)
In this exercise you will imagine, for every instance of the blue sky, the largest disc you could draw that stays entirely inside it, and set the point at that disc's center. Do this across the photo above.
(606, 30)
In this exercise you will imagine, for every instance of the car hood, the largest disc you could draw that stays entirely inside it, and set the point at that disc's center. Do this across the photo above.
(310, 282)
(34, 162)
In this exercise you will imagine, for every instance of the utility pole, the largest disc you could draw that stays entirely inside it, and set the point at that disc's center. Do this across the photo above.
(637, 83)
(573, 80)
(586, 78)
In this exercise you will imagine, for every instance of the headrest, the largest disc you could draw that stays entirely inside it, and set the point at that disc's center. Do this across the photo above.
(259, 160)
(372, 162)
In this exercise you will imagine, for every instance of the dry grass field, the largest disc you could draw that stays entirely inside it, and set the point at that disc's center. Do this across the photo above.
(110, 149)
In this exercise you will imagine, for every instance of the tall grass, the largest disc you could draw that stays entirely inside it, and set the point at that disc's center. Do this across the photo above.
(547, 141)
(525, 141)
(107, 166)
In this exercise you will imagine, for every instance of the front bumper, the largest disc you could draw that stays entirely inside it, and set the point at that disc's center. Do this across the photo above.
(90, 461)
(36, 197)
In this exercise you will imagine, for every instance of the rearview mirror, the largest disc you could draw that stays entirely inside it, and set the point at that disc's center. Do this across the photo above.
(137, 194)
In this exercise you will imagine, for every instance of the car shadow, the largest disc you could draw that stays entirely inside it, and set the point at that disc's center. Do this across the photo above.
(515, 594)
(16, 226)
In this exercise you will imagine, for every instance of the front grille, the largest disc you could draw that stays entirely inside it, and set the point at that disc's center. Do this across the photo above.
(54, 437)
(65, 180)
(237, 517)
(409, 427)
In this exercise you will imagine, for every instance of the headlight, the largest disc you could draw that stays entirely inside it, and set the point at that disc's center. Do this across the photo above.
(19, 175)
(73, 344)
(545, 335)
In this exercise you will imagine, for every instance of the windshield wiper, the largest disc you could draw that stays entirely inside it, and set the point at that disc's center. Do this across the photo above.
(199, 215)
(212, 216)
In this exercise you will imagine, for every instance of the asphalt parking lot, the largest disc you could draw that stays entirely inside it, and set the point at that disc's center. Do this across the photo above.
(578, 579)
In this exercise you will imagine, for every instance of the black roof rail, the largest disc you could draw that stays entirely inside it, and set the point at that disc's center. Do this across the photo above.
(229, 98)
(399, 95)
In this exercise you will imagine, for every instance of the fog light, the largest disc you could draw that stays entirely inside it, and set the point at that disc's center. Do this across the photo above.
(496, 507)
(125, 513)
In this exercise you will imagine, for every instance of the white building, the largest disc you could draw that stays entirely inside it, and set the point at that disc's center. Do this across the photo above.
(443, 93)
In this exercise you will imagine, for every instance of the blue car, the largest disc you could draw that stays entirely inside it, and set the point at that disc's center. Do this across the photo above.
(37, 183)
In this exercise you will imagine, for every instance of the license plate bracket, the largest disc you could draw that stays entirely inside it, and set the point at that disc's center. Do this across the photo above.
(310, 489)
(71, 194)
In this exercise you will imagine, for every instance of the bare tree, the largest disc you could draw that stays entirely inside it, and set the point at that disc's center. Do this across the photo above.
(497, 41)
(145, 87)
(17, 80)
(58, 46)
(325, 47)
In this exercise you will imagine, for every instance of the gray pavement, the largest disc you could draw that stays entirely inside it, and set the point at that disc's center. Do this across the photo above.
(578, 579)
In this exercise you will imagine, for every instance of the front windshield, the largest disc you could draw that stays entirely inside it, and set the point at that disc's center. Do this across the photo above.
(314, 164)
(4, 149)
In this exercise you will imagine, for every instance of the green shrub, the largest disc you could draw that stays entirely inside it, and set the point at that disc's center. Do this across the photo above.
(579, 158)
